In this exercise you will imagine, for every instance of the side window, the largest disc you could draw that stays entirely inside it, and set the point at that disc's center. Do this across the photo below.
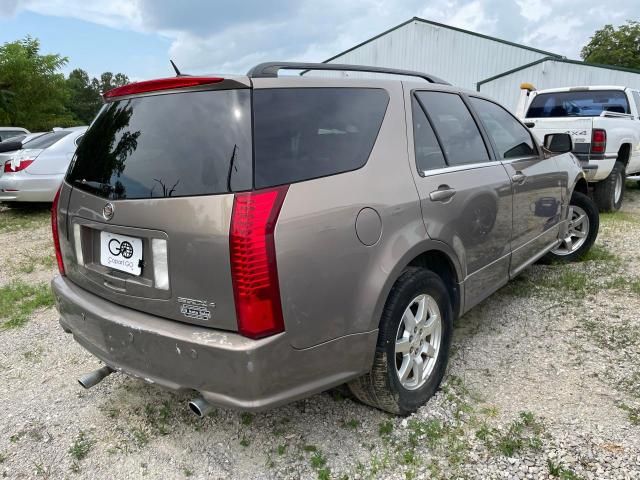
(456, 129)
(511, 138)
(636, 99)
(305, 133)
(428, 153)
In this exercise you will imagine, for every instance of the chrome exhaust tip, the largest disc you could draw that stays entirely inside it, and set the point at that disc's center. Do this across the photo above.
(91, 379)
(200, 407)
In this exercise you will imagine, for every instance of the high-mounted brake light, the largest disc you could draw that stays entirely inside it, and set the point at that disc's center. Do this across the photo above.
(160, 84)
(598, 140)
(11, 167)
(54, 231)
(254, 272)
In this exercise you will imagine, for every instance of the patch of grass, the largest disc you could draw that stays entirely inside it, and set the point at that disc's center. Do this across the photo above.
(324, 474)
(318, 460)
(187, 472)
(353, 424)
(633, 413)
(140, 437)
(614, 336)
(158, 418)
(282, 448)
(32, 262)
(244, 442)
(522, 286)
(19, 219)
(33, 356)
(3, 457)
(431, 430)
(81, 446)
(618, 217)
(385, 428)
(568, 281)
(490, 411)
(246, 418)
(598, 253)
(558, 471)
(18, 300)
(521, 434)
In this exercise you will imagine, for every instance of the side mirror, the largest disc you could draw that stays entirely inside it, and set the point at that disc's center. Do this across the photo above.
(558, 142)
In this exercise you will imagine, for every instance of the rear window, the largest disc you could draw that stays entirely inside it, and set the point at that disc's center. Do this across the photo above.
(172, 145)
(7, 134)
(46, 140)
(306, 133)
(578, 104)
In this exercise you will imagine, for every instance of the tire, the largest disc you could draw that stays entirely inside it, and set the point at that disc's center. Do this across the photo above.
(576, 246)
(382, 387)
(607, 195)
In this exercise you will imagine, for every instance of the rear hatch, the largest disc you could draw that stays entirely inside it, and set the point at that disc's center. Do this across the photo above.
(149, 213)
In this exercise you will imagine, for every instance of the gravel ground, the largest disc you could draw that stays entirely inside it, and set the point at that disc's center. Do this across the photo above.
(544, 382)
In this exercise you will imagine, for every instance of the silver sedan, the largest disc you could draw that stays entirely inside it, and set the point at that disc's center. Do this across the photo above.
(35, 172)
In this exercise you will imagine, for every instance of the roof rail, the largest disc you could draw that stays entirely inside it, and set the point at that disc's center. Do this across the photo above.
(270, 70)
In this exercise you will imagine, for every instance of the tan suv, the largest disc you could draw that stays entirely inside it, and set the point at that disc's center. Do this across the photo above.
(260, 238)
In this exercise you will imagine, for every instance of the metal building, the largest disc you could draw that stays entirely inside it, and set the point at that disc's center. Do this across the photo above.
(471, 60)
(554, 73)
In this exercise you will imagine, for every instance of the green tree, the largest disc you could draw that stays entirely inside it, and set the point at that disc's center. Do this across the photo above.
(85, 97)
(84, 100)
(32, 90)
(615, 46)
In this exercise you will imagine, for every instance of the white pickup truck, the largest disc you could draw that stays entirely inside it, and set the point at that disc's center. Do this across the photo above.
(604, 122)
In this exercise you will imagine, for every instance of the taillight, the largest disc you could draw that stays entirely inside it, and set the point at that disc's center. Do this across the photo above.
(253, 262)
(54, 231)
(160, 84)
(598, 140)
(10, 167)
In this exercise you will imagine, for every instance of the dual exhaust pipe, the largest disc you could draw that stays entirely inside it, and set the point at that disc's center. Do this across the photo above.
(199, 406)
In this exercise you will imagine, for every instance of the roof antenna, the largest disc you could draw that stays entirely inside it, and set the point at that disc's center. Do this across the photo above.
(178, 74)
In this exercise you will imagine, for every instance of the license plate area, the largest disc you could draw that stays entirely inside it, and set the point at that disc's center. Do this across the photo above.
(121, 252)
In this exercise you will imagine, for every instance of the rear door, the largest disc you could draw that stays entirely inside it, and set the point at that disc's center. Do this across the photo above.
(536, 182)
(149, 213)
(465, 194)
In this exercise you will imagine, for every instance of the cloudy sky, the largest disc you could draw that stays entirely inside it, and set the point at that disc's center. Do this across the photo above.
(137, 37)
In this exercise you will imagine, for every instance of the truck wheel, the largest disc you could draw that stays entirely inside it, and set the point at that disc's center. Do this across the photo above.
(609, 192)
(584, 222)
(413, 345)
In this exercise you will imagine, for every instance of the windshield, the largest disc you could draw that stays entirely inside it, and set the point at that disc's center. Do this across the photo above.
(589, 103)
(169, 145)
(46, 140)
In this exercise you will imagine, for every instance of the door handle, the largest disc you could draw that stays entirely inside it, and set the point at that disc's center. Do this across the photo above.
(443, 194)
(519, 178)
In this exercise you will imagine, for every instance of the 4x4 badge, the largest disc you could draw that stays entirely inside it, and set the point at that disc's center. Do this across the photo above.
(107, 211)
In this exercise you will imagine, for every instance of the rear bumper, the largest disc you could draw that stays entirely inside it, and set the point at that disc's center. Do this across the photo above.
(226, 368)
(597, 168)
(22, 187)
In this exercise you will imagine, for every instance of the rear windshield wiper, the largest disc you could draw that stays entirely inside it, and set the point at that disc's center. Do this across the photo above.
(97, 186)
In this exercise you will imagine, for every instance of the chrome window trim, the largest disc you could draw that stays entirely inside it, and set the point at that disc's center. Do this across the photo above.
(458, 168)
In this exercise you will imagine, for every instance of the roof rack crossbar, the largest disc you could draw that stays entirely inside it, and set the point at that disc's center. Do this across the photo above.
(270, 70)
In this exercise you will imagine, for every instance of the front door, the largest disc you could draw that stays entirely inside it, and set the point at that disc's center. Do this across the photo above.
(465, 194)
(536, 184)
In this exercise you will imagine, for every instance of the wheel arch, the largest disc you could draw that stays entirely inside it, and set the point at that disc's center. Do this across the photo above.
(624, 153)
(581, 186)
(437, 257)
